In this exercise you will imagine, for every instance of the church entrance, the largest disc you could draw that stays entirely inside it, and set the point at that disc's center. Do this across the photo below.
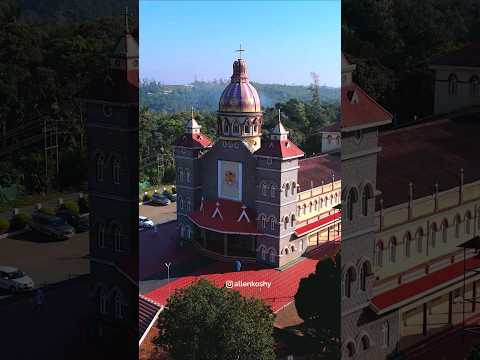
(230, 244)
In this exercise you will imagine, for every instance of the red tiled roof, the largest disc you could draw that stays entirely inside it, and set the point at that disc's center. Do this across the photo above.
(468, 56)
(424, 154)
(315, 169)
(422, 285)
(360, 110)
(282, 149)
(228, 218)
(317, 224)
(284, 284)
(194, 141)
(147, 310)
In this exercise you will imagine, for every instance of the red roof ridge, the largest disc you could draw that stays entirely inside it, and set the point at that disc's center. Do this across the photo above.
(388, 113)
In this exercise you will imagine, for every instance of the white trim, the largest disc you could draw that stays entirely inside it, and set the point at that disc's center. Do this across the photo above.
(276, 204)
(221, 232)
(361, 153)
(275, 157)
(366, 126)
(147, 330)
(276, 170)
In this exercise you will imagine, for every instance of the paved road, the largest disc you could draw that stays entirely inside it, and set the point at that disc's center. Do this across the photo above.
(46, 262)
(50, 203)
(159, 214)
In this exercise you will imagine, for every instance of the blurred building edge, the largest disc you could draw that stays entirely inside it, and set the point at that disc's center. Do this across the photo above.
(411, 199)
(111, 107)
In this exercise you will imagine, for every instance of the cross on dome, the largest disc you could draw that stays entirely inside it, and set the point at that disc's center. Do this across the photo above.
(126, 19)
(240, 50)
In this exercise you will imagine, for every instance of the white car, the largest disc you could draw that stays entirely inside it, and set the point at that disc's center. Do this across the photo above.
(14, 280)
(145, 223)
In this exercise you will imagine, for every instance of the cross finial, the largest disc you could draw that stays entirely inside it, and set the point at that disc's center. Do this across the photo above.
(126, 19)
(240, 50)
(279, 115)
(192, 112)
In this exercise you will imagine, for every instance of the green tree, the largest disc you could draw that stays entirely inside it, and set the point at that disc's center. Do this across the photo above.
(318, 303)
(203, 322)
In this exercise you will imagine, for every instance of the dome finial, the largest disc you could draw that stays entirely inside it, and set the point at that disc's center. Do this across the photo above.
(240, 50)
(126, 20)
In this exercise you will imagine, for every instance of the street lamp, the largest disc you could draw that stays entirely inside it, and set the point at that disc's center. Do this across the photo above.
(168, 276)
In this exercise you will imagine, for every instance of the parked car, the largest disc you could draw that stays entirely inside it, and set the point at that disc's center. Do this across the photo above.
(14, 280)
(160, 199)
(144, 223)
(172, 197)
(52, 226)
(80, 222)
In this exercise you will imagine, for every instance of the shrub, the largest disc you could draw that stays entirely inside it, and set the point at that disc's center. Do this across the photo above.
(72, 206)
(46, 211)
(167, 192)
(174, 190)
(147, 197)
(83, 206)
(4, 225)
(19, 221)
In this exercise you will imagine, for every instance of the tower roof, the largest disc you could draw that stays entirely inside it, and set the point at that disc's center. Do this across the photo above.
(120, 84)
(239, 95)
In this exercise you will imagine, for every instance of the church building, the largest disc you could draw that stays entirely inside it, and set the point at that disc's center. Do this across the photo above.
(249, 195)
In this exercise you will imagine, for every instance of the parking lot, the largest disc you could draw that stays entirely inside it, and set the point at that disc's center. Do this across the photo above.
(158, 213)
(45, 261)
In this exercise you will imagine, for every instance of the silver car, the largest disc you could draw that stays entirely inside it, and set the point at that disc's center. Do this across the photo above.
(144, 223)
(14, 280)
(52, 226)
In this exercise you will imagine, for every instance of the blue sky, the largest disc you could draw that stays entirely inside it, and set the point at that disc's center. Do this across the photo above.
(284, 40)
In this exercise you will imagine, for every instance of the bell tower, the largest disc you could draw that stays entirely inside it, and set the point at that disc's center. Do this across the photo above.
(239, 115)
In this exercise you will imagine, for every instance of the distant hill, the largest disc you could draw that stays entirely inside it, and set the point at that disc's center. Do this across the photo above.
(204, 96)
(62, 12)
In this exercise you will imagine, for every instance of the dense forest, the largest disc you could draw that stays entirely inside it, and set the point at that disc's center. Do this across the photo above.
(204, 96)
(392, 42)
(159, 130)
(43, 67)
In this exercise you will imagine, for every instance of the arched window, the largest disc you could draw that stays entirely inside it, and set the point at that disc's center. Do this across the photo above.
(474, 86)
(189, 205)
(352, 199)
(263, 221)
(331, 199)
(351, 349)
(119, 305)
(444, 229)
(272, 191)
(408, 244)
(264, 189)
(452, 84)
(349, 280)
(468, 222)
(116, 171)
(386, 334)
(338, 140)
(182, 231)
(187, 175)
(286, 220)
(181, 203)
(263, 253)
(310, 205)
(321, 202)
(180, 174)
(336, 198)
(329, 139)
(100, 165)
(272, 223)
(294, 185)
(236, 128)
(272, 256)
(299, 209)
(364, 273)
(247, 128)
(287, 187)
(365, 342)
(433, 234)
(457, 226)
(102, 300)
(379, 249)
(117, 238)
(101, 235)
(419, 240)
(226, 128)
(366, 196)
(304, 209)
(393, 249)
(315, 204)
(292, 220)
